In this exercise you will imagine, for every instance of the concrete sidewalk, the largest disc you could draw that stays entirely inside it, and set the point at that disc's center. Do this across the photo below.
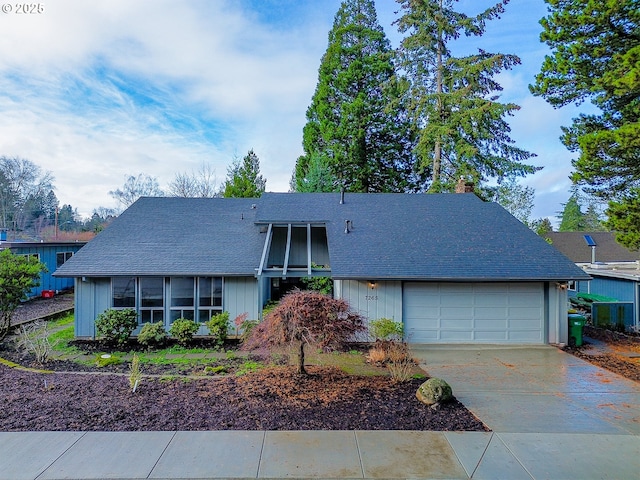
(553, 416)
(316, 454)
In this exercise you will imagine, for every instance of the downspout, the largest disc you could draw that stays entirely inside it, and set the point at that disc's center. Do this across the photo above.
(558, 316)
(635, 306)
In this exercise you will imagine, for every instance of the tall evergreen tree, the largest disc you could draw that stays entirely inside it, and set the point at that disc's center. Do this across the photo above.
(453, 100)
(313, 175)
(572, 218)
(244, 179)
(595, 55)
(355, 123)
(624, 219)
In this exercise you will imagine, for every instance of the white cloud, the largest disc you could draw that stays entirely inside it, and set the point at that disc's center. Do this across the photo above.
(74, 78)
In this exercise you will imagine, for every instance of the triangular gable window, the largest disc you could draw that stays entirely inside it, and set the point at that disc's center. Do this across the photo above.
(294, 250)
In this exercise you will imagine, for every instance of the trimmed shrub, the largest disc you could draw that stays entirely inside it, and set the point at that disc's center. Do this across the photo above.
(183, 330)
(152, 335)
(385, 329)
(116, 326)
(218, 326)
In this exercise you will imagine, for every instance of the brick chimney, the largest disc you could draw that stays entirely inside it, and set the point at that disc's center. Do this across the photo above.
(464, 186)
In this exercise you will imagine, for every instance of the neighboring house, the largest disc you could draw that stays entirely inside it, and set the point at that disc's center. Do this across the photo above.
(613, 268)
(452, 268)
(53, 255)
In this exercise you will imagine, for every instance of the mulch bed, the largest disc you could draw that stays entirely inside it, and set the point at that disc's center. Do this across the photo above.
(274, 398)
(617, 359)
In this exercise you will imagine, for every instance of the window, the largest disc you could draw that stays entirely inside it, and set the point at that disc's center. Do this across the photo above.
(186, 297)
(151, 299)
(209, 297)
(123, 292)
(182, 298)
(62, 257)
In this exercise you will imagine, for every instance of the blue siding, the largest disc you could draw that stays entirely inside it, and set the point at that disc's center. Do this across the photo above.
(47, 254)
(622, 290)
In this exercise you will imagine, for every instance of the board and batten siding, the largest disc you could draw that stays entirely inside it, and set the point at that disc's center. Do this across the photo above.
(384, 300)
(618, 288)
(92, 296)
(240, 295)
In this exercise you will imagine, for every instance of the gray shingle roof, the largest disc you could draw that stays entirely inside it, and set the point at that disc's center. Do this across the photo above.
(174, 236)
(454, 237)
(573, 245)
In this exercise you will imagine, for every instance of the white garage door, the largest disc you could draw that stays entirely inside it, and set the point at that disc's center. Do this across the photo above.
(474, 313)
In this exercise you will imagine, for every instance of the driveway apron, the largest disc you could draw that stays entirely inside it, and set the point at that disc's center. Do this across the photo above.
(535, 389)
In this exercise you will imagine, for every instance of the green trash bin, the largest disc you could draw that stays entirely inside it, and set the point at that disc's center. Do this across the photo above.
(576, 326)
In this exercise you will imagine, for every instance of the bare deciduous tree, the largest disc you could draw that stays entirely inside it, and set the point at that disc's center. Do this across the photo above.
(135, 187)
(200, 184)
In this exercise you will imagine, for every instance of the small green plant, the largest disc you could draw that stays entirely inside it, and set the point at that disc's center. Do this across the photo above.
(152, 335)
(248, 367)
(34, 338)
(218, 326)
(385, 329)
(105, 359)
(270, 305)
(319, 284)
(135, 373)
(116, 326)
(183, 330)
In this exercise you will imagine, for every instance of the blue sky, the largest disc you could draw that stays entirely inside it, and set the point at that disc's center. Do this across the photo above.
(94, 91)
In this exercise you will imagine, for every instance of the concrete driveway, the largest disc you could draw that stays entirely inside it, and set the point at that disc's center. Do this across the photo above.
(535, 389)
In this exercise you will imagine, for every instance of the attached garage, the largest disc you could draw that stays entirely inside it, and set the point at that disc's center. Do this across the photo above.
(474, 312)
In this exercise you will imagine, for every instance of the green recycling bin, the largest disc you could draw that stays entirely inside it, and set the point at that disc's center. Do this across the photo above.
(576, 326)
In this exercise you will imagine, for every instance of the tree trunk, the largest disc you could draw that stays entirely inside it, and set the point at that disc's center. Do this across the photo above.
(437, 154)
(301, 369)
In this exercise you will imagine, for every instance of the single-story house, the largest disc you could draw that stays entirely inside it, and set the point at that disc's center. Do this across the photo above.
(53, 255)
(614, 272)
(452, 268)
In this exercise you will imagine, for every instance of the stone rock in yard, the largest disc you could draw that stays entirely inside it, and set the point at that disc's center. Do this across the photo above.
(434, 391)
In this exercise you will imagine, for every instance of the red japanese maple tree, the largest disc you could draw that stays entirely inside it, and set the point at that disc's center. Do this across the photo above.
(307, 318)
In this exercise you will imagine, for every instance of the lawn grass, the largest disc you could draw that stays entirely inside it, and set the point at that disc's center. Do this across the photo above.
(62, 334)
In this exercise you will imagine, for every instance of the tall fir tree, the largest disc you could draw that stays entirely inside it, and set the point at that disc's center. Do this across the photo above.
(356, 128)
(572, 217)
(454, 100)
(244, 179)
(595, 55)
